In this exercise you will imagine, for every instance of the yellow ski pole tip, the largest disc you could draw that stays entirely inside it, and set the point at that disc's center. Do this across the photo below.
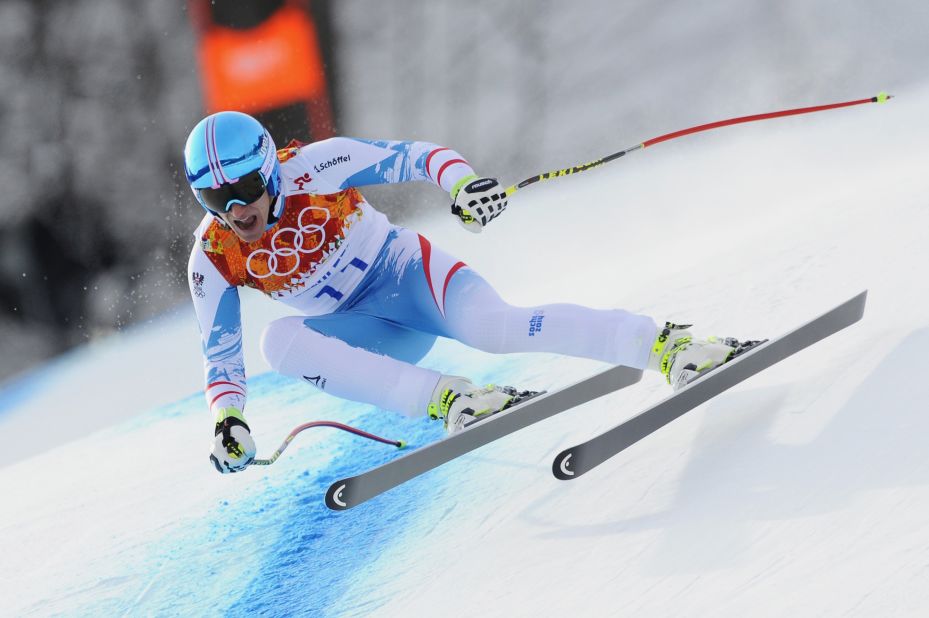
(401, 444)
(882, 97)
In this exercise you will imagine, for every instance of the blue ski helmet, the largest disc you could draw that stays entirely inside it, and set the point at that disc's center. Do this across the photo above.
(229, 159)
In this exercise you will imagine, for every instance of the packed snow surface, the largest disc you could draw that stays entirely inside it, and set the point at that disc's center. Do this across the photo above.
(802, 491)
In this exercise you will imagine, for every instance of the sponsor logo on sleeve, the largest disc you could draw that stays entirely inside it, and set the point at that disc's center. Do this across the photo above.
(319, 167)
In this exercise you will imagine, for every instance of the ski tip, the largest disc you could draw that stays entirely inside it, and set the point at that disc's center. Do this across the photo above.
(564, 466)
(857, 304)
(882, 97)
(338, 496)
(401, 444)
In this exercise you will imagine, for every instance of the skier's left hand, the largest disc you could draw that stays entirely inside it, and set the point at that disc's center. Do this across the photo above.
(478, 202)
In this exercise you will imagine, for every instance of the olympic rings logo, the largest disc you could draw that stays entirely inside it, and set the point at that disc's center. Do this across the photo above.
(302, 234)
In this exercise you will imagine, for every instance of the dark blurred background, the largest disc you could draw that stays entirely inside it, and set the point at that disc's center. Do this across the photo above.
(97, 97)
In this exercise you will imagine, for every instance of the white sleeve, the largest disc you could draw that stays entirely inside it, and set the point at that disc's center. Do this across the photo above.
(345, 162)
(216, 304)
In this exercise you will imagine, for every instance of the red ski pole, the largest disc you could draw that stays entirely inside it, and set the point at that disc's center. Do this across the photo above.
(333, 424)
(880, 98)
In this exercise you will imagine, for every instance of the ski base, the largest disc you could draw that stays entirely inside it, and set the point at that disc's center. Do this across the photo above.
(577, 460)
(350, 492)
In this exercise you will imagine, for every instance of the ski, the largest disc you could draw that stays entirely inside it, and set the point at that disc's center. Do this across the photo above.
(350, 492)
(577, 460)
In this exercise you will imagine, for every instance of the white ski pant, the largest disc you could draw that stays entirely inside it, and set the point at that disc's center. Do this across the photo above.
(366, 351)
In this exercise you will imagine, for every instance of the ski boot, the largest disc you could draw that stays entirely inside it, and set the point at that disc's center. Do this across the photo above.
(682, 359)
(459, 402)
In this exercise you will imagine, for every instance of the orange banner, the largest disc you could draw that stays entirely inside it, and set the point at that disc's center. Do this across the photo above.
(272, 65)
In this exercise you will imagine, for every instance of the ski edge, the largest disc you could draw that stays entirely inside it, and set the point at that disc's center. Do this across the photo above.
(348, 492)
(568, 464)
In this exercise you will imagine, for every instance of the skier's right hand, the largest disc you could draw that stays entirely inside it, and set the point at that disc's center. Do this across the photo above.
(233, 446)
(478, 202)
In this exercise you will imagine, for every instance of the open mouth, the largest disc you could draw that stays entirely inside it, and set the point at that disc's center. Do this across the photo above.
(248, 224)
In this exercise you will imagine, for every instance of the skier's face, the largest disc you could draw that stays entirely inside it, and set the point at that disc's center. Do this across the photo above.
(249, 221)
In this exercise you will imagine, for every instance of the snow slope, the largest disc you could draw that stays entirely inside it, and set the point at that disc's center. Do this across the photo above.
(803, 491)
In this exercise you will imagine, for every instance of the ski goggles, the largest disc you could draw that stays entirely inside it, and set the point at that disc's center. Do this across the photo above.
(220, 200)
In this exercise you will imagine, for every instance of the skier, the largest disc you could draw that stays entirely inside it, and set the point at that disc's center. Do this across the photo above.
(372, 296)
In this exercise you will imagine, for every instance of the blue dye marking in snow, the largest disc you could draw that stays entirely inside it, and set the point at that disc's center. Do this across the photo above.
(276, 549)
(313, 564)
(271, 546)
(321, 562)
